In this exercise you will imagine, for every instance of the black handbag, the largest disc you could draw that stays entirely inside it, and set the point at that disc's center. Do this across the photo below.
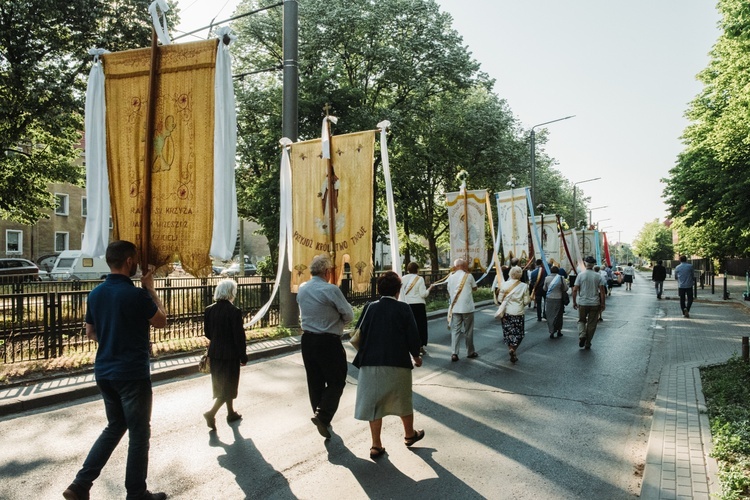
(204, 364)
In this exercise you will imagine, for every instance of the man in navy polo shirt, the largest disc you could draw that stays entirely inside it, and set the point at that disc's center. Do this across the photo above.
(118, 317)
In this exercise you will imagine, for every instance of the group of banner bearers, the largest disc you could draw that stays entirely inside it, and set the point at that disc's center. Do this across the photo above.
(181, 204)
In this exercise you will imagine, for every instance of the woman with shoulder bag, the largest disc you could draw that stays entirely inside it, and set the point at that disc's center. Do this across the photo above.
(556, 290)
(414, 292)
(516, 297)
(389, 349)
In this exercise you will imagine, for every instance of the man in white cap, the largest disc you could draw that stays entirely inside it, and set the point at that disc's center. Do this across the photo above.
(588, 297)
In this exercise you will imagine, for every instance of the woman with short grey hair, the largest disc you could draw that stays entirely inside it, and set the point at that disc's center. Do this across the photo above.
(227, 349)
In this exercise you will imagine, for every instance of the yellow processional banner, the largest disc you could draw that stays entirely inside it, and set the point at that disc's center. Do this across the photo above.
(183, 160)
(352, 203)
(512, 218)
(466, 213)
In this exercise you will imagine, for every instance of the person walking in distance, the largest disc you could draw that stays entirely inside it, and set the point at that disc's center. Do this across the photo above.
(628, 276)
(658, 275)
(556, 289)
(461, 284)
(589, 295)
(683, 273)
(324, 312)
(536, 285)
(119, 316)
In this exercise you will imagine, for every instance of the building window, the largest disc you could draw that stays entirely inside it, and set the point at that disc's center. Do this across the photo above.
(61, 242)
(61, 204)
(111, 224)
(84, 207)
(13, 241)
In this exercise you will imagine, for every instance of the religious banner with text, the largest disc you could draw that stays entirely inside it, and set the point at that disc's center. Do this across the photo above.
(183, 159)
(512, 217)
(466, 214)
(351, 200)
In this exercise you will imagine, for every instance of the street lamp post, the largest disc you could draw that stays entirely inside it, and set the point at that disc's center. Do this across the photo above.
(532, 147)
(575, 222)
(591, 222)
(602, 220)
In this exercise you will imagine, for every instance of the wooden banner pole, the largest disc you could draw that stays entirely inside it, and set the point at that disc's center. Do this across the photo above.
(148, 155)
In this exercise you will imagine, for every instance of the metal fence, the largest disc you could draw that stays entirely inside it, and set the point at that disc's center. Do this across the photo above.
(43, 320)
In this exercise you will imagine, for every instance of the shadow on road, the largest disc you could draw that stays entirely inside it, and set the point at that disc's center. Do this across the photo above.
(256, 477)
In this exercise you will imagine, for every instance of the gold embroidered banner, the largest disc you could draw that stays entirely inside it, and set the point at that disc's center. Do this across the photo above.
(352, 159)
(466, 214)
(182, 164)
(512, 218)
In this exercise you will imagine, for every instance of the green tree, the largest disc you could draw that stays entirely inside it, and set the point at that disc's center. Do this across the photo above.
(369, 61)
(43, 65)
(709, 187)
(654, 241)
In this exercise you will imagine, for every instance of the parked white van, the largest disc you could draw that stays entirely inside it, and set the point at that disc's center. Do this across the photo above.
(73, 265)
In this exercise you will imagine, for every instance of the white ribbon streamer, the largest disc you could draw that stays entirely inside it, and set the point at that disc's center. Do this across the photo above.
(392, 228)
(325, 137)
(225, 221)
(285, 226)
(162, 32)
(535, 233)
(96, 232)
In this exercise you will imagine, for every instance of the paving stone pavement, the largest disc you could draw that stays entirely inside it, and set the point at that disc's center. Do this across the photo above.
(678, 462)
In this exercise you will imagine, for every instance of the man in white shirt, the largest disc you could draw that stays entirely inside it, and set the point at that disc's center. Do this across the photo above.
(461, 311)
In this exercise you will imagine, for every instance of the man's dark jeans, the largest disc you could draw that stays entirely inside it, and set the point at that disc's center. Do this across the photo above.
(325, 365)
(540, 300)
(128, 406)
(685, 293)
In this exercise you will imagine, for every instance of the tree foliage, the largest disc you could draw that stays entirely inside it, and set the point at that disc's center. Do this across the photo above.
(398, 60)
(43, 64)
(709, 187)
(654, 242)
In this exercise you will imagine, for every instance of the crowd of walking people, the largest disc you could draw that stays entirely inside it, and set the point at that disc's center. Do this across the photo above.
(392, 337)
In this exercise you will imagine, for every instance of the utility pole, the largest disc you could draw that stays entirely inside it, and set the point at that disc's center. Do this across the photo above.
(288, 311)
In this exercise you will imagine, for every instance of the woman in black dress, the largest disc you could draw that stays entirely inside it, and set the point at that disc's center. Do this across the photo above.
(227, 350)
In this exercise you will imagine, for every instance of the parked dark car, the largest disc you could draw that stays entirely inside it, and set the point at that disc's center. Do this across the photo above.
(234, 270)
(14, 269)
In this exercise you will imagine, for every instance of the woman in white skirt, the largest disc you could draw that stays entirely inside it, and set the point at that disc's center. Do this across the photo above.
(389, 349)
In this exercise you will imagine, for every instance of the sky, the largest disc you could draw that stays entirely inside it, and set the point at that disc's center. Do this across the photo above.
(626, 70)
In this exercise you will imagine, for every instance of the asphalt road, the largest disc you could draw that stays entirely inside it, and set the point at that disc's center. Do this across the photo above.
(561, 423)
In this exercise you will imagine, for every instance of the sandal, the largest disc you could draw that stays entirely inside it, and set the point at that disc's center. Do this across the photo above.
(376, 452)
(513, 357)
(418, 434)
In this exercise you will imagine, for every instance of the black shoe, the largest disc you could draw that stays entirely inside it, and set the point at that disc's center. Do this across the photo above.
(153, 496)
(588, 346)
(75, 492)
(552, 335)
(559, 334)
(582, 342)
(210, 420)
(454, 357)
(323, 428)
(233, 417)
(473, 355)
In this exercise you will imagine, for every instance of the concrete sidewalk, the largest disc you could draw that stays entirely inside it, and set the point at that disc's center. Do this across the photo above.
(678, 464)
